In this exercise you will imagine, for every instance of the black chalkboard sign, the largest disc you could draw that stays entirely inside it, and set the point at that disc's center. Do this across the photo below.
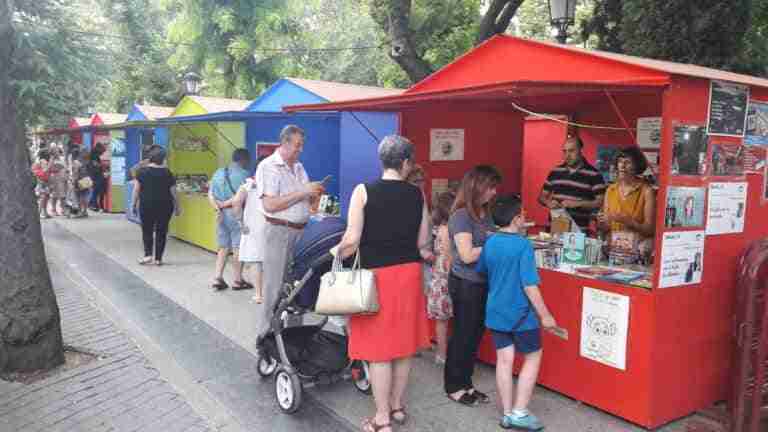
(727, 109)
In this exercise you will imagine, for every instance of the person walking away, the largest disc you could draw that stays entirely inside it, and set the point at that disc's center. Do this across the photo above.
(515, 311)
(224, 185)
(389, 227)
(286, 194)
(469, 226)
(42, 171)
(155, 200)
(439, 305)
(96, 172)
(248, 210)
(58, 181)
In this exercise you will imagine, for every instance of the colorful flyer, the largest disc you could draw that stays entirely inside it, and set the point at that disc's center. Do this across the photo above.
(685, 207)
(574, 248)
(682, 258)
(757, 124)
(604, 327)
(727, 208)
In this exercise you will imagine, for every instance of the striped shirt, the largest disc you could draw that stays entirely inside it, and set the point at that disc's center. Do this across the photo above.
(583, 184)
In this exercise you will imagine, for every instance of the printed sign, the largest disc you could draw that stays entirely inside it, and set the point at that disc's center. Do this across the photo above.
(727, 109)
(689, 151)
(685, 207)
(727, 208)
(446, 144)
(682, 258)
(604, 327)
(757, 124)
(649, 132)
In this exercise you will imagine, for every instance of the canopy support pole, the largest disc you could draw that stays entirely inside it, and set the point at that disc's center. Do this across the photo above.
(617, 110)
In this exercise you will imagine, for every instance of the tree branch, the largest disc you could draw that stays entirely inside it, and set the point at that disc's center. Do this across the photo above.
(496, 20)
(394, 17)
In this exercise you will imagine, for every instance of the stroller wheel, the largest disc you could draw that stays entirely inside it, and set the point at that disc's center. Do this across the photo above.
(361, 377)
(266, 365)
(288, 391)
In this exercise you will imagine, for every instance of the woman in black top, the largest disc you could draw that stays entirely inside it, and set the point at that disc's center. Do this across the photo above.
(154, 195)
(96, 172)
(388, 223)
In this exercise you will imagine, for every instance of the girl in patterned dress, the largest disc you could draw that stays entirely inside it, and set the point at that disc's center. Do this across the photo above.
(439, 306)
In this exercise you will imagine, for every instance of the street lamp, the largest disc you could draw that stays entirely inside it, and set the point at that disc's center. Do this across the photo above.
(562, 13)
(192, 83)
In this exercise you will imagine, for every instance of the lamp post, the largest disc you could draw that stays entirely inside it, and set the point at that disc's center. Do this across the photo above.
(192, 83)
(562, 13)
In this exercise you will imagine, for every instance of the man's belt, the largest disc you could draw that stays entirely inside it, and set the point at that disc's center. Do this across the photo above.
(285, 223)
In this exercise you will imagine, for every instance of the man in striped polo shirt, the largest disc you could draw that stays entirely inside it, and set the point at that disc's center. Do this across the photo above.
(574, 185)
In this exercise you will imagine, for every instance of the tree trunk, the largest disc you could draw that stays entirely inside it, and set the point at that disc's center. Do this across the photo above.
(496, 20)
(30, 330)
(394, 17)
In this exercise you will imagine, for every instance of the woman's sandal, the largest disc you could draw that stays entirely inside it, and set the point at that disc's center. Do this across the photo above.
(146, 260)
(369, 425)
(480, 396)
(241, 285)
(219, 284)
(465, 399)
(399, 416)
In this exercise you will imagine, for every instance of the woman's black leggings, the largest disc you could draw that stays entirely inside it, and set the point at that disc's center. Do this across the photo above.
(154, 229)
(469, 300)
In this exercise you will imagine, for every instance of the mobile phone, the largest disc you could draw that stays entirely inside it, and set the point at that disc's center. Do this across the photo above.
(326, 179)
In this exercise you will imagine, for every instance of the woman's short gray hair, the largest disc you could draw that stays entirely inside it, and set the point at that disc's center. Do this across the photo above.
(394, 150)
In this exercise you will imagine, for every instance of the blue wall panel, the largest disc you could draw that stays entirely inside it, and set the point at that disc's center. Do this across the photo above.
(87, 141)
(283, 93)
(321, 148)
(361, 133)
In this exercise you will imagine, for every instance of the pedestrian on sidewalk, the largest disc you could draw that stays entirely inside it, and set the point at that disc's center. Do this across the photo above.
(469, 226)
(224, 185)
(58, 180)
(286, 195)
(80, 182)
(96, 172)
(154, 198)
(42, 171)
(250, 215)
(515, 311)
(388, 224)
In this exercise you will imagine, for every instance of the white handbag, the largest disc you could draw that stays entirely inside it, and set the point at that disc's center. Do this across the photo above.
(347, 291)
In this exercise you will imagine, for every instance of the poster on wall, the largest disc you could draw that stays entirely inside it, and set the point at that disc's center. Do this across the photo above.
(604, 327)
(757, 124)
(734, 159)
(446, 144)
(755, 159)
(606, 154)
(685, 207)
(649, 132)
(117, 165)
(727, 207)
(689, 151)
(682, 258)
(727, 108)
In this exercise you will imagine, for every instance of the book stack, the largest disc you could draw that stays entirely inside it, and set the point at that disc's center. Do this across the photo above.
(549, 257)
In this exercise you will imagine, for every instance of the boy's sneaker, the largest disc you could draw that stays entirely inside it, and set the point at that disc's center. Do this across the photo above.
(527, 422)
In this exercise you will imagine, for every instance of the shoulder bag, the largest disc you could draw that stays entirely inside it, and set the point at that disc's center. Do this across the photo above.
(347, 291)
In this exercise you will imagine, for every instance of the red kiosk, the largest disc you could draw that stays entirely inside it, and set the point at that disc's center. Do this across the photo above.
(679, 336)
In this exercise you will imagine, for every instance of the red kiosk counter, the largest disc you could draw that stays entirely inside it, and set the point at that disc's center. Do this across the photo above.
(650, 353)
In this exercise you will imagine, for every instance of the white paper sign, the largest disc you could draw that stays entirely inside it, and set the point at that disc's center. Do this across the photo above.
(117, 168)
(649, 132)
(604, 327)
(682, 258)
(446, 144)
(726, 208)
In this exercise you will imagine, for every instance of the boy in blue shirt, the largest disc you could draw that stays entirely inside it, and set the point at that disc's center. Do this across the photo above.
(515, 311)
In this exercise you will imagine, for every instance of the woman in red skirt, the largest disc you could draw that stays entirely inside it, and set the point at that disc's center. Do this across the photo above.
(388, 223)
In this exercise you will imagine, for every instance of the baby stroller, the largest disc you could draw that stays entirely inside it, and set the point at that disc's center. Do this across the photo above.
(307, 354)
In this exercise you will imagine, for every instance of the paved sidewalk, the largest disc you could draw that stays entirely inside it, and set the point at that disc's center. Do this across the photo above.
(118, 391)
(185, 278)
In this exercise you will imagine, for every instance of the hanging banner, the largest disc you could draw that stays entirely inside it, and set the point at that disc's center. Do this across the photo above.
(604, 327)
(727, 206)
(682, 258)
(649, 132)
(446, 144)
(727, 108)
(757, 124)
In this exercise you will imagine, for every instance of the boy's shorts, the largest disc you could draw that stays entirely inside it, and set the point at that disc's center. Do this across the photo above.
(228, 230)
(525, 342)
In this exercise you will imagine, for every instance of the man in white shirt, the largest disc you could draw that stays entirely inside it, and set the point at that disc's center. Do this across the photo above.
(286, 194)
